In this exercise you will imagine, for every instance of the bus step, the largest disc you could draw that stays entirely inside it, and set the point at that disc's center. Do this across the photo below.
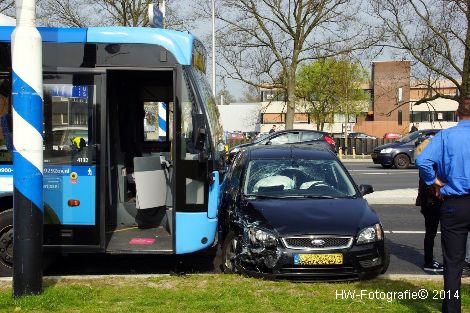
(134, 240)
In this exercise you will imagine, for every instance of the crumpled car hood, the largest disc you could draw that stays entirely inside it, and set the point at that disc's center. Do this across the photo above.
(311, 216)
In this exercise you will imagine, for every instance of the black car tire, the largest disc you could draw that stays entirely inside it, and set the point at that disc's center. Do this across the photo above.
(401, 161)
(387, 165)
(228, 249)
(6, 243)
(386, 257)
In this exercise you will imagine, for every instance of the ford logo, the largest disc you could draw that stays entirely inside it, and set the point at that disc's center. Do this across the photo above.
(318, 242)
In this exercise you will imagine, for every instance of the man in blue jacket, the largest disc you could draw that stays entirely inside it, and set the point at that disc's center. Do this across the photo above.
(449, 153)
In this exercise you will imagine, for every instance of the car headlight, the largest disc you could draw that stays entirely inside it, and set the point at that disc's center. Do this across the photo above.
(387, 150)
(262, 236)
(370, 234)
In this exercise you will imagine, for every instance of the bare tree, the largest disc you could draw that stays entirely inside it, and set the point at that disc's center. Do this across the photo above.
(264, 41)
(224, 97)
(77, 13)
(71, 13)
(435, 34)
(251, 94)
(7, 7)
(124, 12)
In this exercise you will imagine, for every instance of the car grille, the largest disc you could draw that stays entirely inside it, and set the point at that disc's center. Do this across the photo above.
(317, 242)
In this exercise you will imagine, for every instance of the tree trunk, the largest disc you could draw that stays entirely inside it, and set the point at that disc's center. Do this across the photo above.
(290, 101)
(465, 87)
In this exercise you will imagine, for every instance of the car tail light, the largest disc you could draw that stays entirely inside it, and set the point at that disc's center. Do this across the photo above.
(330, 140)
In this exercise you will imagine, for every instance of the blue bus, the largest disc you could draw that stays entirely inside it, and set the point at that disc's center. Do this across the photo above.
(132, 143)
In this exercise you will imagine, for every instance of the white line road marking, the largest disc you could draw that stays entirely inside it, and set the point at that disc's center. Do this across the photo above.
(385, 171)
(406, 232)
(380, 172)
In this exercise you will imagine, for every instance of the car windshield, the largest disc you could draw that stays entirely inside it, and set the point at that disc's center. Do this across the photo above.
(297, 179)
(409, 137)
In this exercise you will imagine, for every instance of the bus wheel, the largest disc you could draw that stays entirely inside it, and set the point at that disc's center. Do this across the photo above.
(6, 243)
(228, 252)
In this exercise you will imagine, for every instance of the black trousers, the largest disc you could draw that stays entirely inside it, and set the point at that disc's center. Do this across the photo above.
(431, 223)
(455, 225)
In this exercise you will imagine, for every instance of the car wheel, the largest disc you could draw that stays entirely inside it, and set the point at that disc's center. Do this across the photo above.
(228, 252)
(387, 165)
(6, 243)
(401, 161)
(386, 257)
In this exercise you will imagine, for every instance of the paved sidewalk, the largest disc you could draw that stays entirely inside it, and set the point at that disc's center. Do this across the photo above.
(395, 196)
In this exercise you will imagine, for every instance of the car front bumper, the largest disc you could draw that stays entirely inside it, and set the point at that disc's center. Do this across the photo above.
(359, 262)
(382, 158)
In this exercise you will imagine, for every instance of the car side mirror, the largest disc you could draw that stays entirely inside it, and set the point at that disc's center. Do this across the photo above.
(366, 189)
(268, 143)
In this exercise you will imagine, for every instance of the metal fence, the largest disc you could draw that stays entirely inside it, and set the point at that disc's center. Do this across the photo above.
(362, 146)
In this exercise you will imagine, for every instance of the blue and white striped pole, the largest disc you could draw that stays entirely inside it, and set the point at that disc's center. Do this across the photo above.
(26, 46)
(161, 119)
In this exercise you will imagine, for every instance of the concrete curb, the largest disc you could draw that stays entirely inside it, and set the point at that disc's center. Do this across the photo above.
(97, 277)
(432, 277)
(145, 276)
(358, 160)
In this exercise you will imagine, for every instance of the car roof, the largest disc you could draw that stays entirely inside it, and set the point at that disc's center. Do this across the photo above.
(292, 151)
(300, 130)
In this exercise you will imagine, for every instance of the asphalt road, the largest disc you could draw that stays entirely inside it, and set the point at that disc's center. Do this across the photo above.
(403, 225)
(380, 178)
(404, 231)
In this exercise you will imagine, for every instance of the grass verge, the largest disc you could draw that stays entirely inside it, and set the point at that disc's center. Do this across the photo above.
(225, 293)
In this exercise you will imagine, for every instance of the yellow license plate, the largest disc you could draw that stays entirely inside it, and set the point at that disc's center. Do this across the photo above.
(318, 259)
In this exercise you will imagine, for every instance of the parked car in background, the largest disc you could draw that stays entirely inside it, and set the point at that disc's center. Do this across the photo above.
(294, 212)
(236, 136)
(392, 136)
(401, 152)
(260, 136)
(294, 136)
(358, 135)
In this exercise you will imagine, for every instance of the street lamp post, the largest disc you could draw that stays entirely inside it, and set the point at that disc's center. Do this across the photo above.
(26, 46)
(213, 49)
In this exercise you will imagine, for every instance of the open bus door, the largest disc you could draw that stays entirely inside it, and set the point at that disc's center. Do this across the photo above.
(196, 188)
(71, 160)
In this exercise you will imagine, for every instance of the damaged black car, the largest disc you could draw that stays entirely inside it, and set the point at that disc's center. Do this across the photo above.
(294, 212)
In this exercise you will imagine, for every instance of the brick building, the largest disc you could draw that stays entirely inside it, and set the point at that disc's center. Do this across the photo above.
(393, 95)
